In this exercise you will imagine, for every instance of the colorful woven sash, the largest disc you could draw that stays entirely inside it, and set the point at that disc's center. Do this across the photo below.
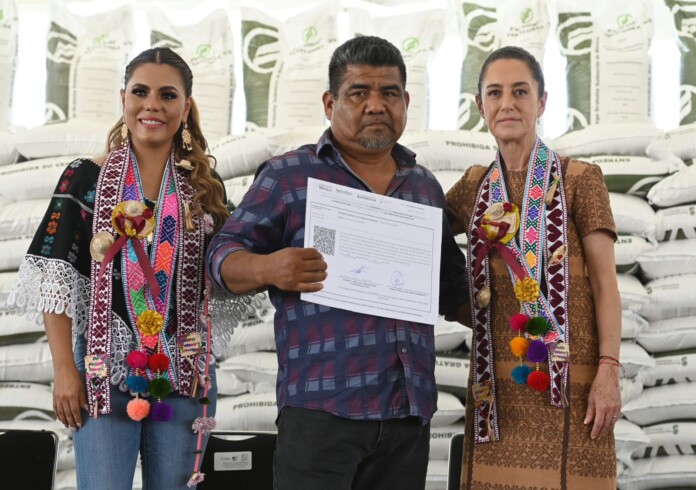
(543, 231)
(162, 260)
(177, 252)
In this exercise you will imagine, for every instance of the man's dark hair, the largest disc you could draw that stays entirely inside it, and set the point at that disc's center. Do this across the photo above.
(364, 50)
(514, 53)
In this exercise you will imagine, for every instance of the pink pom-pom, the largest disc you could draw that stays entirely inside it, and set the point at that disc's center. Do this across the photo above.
(138, 409)
(137, 359)
(162, 412)
(518, 322)
(196, 478)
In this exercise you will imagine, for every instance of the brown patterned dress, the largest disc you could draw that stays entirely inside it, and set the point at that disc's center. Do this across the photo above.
(542, 447)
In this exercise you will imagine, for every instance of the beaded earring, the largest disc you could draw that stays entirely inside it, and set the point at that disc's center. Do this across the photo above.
(186, 138)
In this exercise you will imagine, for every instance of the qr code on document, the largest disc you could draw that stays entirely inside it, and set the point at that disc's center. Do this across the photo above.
(324, 239)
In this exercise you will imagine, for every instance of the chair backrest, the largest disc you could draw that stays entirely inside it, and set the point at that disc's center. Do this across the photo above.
(456, 451)
(239, 459)
(31, 456)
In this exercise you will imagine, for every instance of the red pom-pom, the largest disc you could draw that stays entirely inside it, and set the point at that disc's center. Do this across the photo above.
(518, 322)
(137, 359)
(539, 381)
(507, 207)
(147, 213)
(158, 362)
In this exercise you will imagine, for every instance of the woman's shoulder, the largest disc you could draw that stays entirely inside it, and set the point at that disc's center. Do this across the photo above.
(79, 176)
(86, 164)
(576, 167)
(462, 189)
(475, 172)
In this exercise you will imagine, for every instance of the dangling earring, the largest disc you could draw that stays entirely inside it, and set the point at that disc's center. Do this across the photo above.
(186, 138)
(124, 131)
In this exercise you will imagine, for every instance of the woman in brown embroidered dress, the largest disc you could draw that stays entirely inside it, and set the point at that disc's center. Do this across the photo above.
(116, 273)
(542, 400)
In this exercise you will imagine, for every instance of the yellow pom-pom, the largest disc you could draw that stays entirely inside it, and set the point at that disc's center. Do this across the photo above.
(519, 346)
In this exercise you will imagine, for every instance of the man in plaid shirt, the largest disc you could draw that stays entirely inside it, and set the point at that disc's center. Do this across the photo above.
(355, 392)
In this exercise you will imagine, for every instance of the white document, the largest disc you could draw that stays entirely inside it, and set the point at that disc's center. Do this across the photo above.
(382, 253)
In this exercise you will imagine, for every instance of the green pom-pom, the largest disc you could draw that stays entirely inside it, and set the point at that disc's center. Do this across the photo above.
(204, 401)
(160, 387)
(537, 326)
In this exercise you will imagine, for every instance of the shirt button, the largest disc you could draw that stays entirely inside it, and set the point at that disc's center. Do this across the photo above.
(404, 350)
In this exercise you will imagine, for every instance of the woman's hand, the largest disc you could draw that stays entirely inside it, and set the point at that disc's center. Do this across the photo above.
(604, 403)
(69, 396)
(69, 393)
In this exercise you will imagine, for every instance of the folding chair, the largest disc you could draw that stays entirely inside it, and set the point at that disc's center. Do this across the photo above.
(29, 458)
(239, 459)
(456, 451)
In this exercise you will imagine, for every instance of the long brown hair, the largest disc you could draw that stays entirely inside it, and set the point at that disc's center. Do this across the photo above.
(209, 190)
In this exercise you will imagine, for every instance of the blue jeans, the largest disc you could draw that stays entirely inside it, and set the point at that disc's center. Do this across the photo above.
(318, 451)
(106, 449)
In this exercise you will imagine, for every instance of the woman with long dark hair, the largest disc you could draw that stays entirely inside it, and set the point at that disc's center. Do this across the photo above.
(116, 272)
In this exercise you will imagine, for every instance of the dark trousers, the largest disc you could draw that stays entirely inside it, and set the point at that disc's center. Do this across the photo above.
(320, 451)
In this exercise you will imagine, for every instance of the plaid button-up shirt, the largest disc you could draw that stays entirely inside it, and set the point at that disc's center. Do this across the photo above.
(350, 364)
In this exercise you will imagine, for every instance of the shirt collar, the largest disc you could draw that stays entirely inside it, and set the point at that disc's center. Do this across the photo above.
(405, 158)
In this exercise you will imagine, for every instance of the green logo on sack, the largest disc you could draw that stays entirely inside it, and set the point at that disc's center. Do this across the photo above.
(204, 50)
(624, 19)
(410, 44)
(99, 40)
(309, 34)
(2, 15)
(527, 16)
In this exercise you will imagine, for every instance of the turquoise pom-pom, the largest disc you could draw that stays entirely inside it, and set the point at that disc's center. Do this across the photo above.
(520, 374)
(137, 384)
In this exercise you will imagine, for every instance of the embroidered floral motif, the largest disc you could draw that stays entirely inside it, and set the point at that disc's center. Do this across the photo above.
(52, 227)
(72, 255)
(89, 197)
(64, 185)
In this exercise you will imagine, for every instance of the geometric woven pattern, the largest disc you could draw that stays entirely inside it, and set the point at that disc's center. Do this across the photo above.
(542, 231)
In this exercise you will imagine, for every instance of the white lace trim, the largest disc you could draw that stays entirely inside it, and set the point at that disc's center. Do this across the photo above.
(122, 342)
(46, 285)
(226, 311)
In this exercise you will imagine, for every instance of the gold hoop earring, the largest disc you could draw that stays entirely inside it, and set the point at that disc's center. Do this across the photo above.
(124, 131)
(186, 138)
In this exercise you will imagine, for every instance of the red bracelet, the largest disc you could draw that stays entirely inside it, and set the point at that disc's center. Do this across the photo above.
(613, 362)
